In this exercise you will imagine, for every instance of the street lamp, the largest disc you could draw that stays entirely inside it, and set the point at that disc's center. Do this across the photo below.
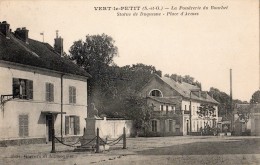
(192, 90)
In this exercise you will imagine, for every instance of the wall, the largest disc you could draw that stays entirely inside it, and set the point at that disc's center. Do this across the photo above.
(255, 124)
(10, 111)
(197, 122)
(156, 83)
(110, 129)
(167, 91)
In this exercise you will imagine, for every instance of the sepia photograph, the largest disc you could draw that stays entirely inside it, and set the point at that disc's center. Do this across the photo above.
(129, 82)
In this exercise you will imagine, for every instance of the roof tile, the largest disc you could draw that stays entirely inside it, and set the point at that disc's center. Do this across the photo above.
(37, 54)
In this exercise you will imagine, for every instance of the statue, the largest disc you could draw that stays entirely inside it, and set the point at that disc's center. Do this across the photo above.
(93, 111)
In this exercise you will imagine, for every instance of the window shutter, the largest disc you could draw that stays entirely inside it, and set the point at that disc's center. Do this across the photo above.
(51, 92)
(76, 125)
(66, 125)
(23, 125)
(16, 88)
(74, 95)
(27, 93)
(26, 131)
(29, 89)
(20, 125)
(47, 91)
(70, 94)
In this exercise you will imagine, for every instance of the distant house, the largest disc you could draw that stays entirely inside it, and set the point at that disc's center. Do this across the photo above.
(247, 119)
(175, 106)
(38, 86)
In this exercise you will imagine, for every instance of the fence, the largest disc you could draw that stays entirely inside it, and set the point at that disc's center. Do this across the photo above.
(96, 146)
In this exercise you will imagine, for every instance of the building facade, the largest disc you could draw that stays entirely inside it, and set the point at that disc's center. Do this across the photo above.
(176, 104)
(247, 119)
(38, 86)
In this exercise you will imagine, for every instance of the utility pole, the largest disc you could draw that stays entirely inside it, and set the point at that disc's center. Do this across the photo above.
(231, 101)
(190, 115)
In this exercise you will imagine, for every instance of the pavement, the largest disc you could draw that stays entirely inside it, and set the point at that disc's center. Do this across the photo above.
(157, 150)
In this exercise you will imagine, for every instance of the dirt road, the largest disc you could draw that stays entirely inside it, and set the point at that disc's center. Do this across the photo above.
(140, 151)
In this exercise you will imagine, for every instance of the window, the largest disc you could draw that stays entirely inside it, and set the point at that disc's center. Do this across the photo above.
(49, 92)
(23, 126)
(156, 93)
(173, 109)
(167, 109)
(72, 125)
(185, 107)
(170, 125)
(22, 88)
(72, 95)
(161, 107)
(154, 126)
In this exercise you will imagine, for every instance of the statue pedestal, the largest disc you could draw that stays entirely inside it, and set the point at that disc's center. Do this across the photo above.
(110, 129)
(90, 132)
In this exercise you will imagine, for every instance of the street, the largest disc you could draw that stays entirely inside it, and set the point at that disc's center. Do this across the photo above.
(158, 150)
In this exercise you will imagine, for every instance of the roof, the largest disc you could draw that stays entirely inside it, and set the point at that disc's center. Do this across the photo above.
(184, 89)
(166, 100)
(37, 54)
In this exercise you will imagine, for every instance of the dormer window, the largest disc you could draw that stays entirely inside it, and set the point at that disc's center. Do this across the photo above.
(156, 93)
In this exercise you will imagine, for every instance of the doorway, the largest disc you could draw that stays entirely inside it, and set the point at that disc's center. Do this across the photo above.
(187, 123)
(49, 127)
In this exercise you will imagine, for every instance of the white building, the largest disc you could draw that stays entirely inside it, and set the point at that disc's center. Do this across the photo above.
(36, 83)
(176, 104)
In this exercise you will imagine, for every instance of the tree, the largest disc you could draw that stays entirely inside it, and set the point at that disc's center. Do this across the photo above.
(224, 100)
(206, 111)
(137, 110)
(95, 55)
(167, 75)
(255, 99)
(188, 79)
(174, 76)
(244, 113)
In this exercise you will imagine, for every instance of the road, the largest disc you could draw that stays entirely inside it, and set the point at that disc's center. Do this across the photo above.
(153, 151)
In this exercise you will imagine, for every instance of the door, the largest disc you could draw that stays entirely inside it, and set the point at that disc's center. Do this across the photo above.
(187, 126)
(49, 127)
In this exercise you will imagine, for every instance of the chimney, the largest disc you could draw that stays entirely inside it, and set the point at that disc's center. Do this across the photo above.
(58, 44)
(22, 34)
(4, 28)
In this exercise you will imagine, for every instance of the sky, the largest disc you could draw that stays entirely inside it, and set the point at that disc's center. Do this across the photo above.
(205, 46)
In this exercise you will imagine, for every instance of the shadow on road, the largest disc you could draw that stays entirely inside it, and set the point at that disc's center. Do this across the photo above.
(243, 146)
